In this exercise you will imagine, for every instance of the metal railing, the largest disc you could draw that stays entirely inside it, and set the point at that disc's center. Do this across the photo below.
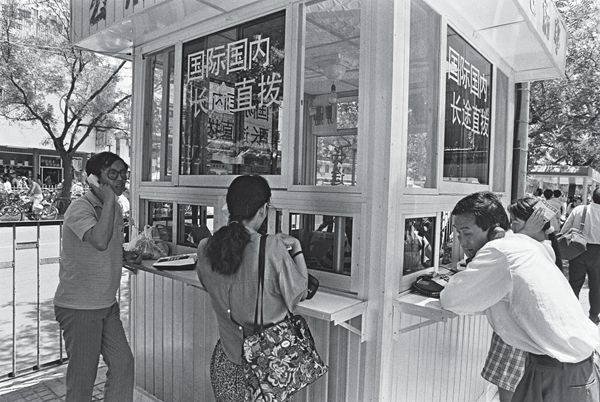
(29, 263)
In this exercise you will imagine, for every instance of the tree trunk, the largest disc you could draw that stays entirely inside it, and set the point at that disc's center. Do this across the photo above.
(64, 198)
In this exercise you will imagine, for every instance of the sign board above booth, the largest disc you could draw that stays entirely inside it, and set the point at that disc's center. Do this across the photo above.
(529, 34)
(114, 26)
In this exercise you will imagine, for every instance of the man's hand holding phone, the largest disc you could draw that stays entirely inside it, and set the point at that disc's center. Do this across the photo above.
(102, 190)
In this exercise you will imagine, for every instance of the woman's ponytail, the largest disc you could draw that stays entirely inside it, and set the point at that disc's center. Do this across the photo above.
(226, 247)
(245, 196)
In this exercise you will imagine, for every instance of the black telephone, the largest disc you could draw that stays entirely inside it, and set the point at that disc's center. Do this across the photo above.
(431, 285)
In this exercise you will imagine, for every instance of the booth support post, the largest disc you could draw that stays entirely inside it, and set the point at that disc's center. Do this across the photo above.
(521, 132)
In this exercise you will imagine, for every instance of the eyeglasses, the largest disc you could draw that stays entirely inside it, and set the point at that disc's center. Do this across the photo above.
(113, 174)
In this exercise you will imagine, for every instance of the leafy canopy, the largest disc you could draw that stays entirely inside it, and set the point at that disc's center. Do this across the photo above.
(47, 81)
(564, 113)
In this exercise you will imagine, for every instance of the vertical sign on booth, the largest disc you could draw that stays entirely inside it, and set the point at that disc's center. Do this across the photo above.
(468, 113)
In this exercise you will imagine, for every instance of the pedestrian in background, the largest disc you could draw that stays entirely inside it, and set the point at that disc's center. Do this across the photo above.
(575, 201)
(35, 194)
(90, 274)
(556, 205)
(587, 263)
(6, 185)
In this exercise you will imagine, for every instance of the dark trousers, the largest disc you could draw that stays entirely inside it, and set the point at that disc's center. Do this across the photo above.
(587, 263)
(89, 334)
(548, 380)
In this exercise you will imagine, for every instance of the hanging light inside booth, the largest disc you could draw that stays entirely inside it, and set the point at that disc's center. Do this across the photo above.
(333, 95)
(335, 70)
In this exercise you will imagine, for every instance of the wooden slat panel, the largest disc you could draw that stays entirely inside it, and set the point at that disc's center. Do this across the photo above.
(176, 331)
(139, 329)
(167, 329)
(199, 352)
(178, 341)
(158, 301)
(188, 343)
(441, 362)
(354, 359)
(149, 329)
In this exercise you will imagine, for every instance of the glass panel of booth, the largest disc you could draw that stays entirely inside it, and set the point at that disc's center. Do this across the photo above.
(330, 112)
(160, 215)
(429, 244)
(419, 244)
(326, 241)
(158, 115)
(468, 107)
(232, 97)
(194, 223)
(423, 97)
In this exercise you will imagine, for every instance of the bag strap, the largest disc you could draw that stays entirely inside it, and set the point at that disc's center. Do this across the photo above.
(582, 224)
(261, 283)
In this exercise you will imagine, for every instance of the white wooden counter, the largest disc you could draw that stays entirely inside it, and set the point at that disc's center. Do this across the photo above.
(439, 353)
(173, 332)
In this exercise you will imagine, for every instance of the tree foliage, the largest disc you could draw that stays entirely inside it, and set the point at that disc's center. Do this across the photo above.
(565, 113)
(49, 82)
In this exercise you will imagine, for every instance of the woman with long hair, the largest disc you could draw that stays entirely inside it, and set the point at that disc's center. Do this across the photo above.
(505, 364)
(228, 269)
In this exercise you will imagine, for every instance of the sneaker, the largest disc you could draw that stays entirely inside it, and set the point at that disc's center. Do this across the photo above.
(595, 319)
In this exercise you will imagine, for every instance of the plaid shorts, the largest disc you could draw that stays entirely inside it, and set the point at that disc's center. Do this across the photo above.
(504, 365)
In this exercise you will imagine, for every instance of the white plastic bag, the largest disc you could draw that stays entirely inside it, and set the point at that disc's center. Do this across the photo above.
(145, 244)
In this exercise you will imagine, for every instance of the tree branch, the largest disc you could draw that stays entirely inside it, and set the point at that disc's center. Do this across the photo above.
(97, 119)
(102, 87)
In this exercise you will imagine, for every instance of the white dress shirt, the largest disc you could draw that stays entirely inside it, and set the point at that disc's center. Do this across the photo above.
(591, 226)
(528, 302)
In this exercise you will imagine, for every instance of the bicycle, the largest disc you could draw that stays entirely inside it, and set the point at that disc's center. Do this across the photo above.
(21, 207)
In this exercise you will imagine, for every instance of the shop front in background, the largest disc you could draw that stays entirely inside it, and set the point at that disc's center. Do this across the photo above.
(13, 163)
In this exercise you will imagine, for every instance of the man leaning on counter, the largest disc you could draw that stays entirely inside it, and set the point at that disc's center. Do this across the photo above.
(527, 301)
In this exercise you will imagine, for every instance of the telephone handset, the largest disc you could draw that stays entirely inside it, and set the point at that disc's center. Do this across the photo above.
(92, 179)
(495, 232)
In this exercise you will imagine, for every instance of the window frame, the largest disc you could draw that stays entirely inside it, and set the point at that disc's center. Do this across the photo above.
(406, 281)
(147, 94)
(181, 229)
(440, 107)
(297, 167)
(346, 283)
(447, 187)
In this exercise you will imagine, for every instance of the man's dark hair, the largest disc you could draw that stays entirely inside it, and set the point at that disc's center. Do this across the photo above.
(557, 193)
(596, 195)
(548, 193)
(101, 161)
(486, 208)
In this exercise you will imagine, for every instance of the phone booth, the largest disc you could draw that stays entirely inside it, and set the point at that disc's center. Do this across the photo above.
(370, 120)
